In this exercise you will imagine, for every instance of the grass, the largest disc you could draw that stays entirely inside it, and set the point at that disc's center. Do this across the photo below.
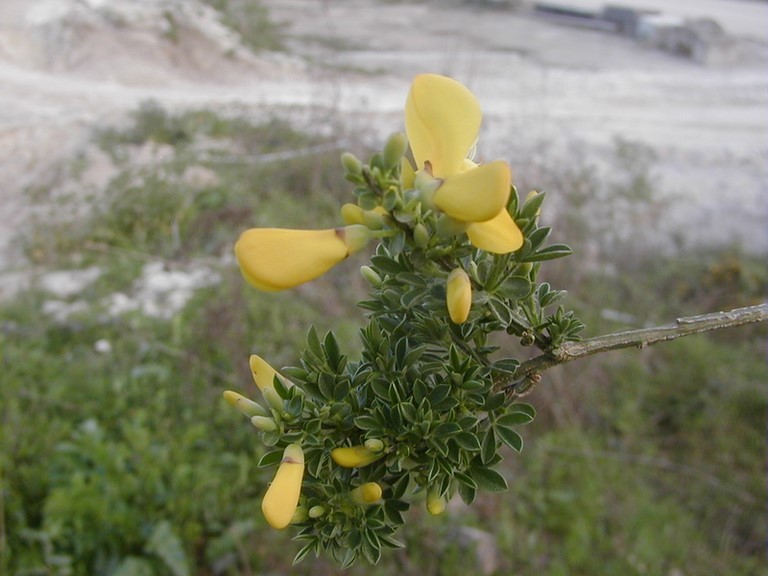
(127, 462)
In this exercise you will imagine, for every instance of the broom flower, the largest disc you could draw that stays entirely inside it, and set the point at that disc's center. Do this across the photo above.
(282, 497)
(274, 259)
(442, 120)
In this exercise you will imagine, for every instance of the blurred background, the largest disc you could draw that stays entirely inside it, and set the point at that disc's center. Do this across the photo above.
(139, 137)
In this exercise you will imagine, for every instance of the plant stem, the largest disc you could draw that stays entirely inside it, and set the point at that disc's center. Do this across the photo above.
(529, 372)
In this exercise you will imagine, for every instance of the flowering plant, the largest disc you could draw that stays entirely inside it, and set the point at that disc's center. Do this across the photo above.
(429, 407)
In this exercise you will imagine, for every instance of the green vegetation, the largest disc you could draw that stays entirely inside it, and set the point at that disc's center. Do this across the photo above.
(251, 21)
(121, 458)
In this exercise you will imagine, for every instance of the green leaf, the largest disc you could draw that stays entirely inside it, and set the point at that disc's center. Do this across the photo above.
(538, 236)
(465, 479)
(550, 253)
(165, 544)
(313, 343)
(494, 401)
(446, 429)
(467, 441)
(386, 264)
(532, 205)
(514, 419)
(332, 352)
(522, 407)
(506, 366)
(305, 550)
(367, 423)
(510, 438)
(270, 458)
(467, 493)
(489, 446)
(133, 566)
(488, 480)
(500, 310)
(516, 288)
(439, 393)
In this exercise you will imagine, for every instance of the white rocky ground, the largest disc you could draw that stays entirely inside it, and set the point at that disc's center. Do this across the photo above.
(67, 66)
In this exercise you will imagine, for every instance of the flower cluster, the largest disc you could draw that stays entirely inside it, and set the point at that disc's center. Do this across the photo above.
(429, 405)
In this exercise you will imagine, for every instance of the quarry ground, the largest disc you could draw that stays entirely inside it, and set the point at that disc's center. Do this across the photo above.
(548, 91)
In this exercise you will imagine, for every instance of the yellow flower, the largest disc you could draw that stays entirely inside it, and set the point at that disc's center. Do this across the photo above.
(442, 119)
(245, 405)
(355, 456)
(274, 259)
(459, 296)
(435, 502)
(368, 493)
(282, 497)
(264, 375)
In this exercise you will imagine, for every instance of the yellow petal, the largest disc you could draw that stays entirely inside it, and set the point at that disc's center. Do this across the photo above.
(263, 374)
(274, 259)
(476, 195)
(442, 121)
(500, 235)
(354, 456)
(459, 296)
(282, 496)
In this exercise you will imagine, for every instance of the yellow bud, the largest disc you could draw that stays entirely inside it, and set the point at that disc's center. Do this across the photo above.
(282, 497)
(246, 406)
(352, 214)
(435, 502)
(263, 374)
(264, 423)
(459, 296)
(354, 456)
(368, 493)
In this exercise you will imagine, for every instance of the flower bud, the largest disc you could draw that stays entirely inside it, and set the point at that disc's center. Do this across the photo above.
(435, 502)
(246, 406)
(301, 515)
(351, 214)
(316, 511)
(371, 275)
(374, 445)
(264, 375)
(351, 164)
(354, 456)
(459, 296)
(273, 399)
(421, 235)
(368, 493)
(394, 150)
(264, 423)
(282, 497)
